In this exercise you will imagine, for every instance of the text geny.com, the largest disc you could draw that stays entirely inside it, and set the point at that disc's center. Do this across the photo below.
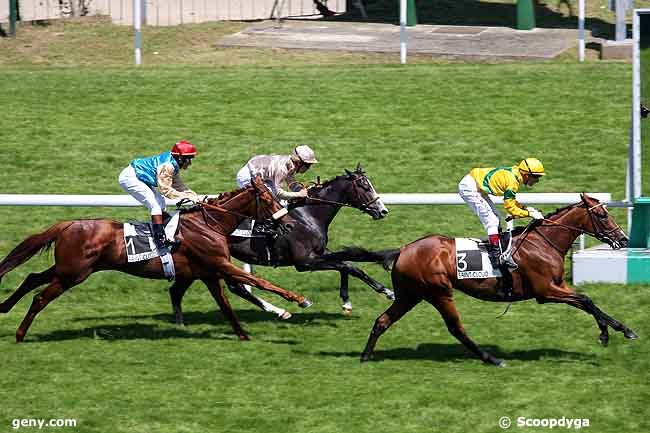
(40, 423)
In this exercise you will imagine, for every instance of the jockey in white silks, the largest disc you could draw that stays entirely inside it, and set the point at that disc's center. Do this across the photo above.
(500, 181)
(142, 176)
(277, 171)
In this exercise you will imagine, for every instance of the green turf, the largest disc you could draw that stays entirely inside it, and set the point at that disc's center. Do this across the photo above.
(107, 354)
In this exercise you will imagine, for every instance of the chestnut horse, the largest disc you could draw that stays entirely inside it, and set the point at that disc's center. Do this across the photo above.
(426, 270)
(85, 246)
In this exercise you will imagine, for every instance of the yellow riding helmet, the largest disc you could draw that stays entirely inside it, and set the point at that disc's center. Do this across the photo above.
(532, 166)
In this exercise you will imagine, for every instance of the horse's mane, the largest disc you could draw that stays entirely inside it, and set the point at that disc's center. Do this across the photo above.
(219, 200)
(320, 186)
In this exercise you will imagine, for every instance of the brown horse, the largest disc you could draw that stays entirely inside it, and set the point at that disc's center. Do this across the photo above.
(426, 270)
(83, 247)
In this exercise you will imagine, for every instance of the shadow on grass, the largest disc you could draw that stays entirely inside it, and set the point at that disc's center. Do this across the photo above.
(301, 317)
(478, 13)
(440, 352)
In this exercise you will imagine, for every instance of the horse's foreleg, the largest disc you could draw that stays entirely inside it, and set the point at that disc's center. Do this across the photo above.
(345, 269)
(31, 282)
(243, 292)
(447, 308)
(235, 274)
(216, 290)
(395, 312)
(566, 295)
(176, 293)
(343, 292)
(40, 301)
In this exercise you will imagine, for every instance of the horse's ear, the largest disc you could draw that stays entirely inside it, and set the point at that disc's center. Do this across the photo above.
(359, 168)
(317, 180)
(348, 172)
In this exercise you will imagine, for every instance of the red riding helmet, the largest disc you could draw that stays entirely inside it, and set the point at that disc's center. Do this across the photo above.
(184, 148)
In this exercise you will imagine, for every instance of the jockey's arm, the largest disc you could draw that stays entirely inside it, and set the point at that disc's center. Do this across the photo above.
(512, 206)
(171, 186)
(288, 195)
(283, 194)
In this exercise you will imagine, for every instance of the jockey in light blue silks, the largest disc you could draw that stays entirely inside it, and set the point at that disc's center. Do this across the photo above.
(141, 177)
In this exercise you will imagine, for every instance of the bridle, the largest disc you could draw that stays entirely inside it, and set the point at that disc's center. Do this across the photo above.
(601, 232)
(356, 196)
(206, 215)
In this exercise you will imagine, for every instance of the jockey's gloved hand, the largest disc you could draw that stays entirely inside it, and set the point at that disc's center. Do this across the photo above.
(535, 214)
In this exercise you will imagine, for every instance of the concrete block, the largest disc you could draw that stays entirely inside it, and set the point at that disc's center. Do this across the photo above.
(616, 50)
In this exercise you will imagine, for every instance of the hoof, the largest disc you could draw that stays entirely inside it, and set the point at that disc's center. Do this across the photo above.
(501, 364)
(630, 335)
(347, 308)
(306, 303)
(244, 337)
(347, 312)
(604, 340)
(364, 358)
(285, 315)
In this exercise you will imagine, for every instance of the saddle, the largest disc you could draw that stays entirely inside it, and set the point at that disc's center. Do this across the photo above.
(140, 246)
(261, 239)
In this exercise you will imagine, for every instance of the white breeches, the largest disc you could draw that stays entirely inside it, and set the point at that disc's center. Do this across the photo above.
(480, 204)
(243, 177)
(142, 192)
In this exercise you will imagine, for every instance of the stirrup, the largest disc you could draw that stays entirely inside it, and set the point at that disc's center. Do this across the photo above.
(507, 260)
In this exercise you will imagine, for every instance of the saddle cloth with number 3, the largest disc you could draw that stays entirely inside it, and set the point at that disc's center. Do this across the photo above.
(472, 260)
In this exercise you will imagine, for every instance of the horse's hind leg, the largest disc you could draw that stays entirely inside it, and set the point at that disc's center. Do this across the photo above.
(176, 293)
(395, 312)
(32, 281)
(216, 290)
(40, 301)
(447, 308)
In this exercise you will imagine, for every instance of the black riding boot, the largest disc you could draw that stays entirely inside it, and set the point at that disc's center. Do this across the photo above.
(159, 237)
(494, 252)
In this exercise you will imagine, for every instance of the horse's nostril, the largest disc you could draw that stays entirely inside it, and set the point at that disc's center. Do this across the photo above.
(384, 211)
(289, 227)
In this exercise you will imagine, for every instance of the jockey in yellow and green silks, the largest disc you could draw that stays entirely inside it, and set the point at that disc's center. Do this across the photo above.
(476, 187)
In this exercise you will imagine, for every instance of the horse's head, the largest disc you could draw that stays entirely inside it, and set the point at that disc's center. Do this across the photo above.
(266, 207)
(598, 222)
(362, 195)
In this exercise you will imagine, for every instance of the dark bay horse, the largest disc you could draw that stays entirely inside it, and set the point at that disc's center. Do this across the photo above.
(83, 247)
(426, 270)
(305, 245)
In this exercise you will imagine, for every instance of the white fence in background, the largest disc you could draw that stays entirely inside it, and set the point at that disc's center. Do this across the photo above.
(389, 199)
(171, 12)
(392, 199)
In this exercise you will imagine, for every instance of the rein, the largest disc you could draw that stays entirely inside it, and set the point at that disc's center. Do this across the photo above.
(362, 206)
(533, 227)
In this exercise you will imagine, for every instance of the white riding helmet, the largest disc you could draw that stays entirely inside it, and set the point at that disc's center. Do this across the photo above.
(305, 154)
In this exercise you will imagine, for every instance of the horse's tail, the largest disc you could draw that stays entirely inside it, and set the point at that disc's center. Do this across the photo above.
(30, 246)
(386, 258)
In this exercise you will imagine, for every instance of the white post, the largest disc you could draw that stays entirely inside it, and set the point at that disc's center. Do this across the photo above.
(137, 23)
(402, 31)
(581, 30)
(621, 28)
(636, 109)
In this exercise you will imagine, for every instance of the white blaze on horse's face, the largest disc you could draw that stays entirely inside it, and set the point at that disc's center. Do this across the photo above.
(378, 204)
(279, 214)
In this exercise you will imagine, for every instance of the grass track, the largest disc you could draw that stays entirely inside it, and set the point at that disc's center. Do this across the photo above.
(107, 355)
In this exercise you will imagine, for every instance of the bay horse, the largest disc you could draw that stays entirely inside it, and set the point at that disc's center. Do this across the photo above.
(86, 246)
(305, 246)
(426, 270)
